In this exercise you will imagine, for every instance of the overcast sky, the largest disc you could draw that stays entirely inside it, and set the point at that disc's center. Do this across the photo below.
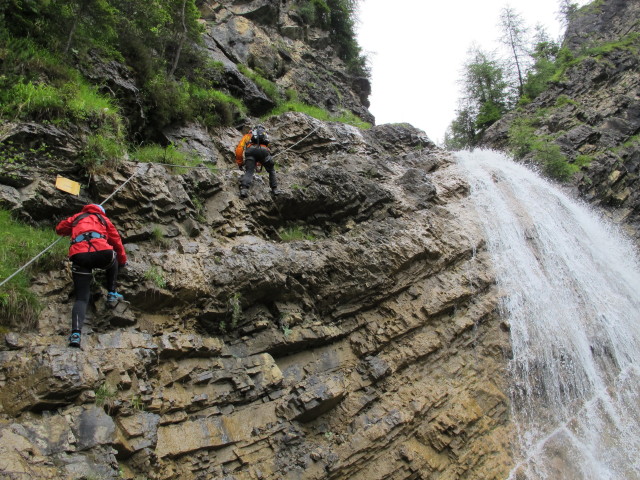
(417, 49)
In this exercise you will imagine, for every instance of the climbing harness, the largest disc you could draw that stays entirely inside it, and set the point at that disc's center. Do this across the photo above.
(87, 237)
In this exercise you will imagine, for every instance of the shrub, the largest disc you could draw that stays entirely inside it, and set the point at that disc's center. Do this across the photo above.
(168, 100)
(521, 137)
(554, 163)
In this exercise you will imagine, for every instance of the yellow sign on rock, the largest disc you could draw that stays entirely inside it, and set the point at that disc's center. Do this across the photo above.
(67, 185)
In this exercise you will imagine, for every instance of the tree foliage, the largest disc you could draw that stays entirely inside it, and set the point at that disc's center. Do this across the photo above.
(545, 55)
(567, 12)
(514, 36)
(485, 101)
(490, 87)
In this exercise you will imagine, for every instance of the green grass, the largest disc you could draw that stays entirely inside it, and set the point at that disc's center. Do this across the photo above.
(269, 88)
(19, 243)
(563, 100)
(319, 113)
(156, 276)
(169, 155)
(157, 237)
(213, 107)
(292, 234)
(102, 153)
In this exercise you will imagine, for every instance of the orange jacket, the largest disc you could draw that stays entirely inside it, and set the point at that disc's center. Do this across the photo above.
(241, 147)
(245, 143)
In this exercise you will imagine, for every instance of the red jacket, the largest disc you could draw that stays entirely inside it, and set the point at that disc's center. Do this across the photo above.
(92, 223)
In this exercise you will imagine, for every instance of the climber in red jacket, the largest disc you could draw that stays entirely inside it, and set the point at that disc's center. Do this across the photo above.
(95, 243)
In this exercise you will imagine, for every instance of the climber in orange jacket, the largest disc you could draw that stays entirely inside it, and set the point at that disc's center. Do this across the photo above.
(254, 149)
(95, 243)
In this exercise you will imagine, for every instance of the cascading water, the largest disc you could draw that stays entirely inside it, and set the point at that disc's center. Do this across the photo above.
(571, 294)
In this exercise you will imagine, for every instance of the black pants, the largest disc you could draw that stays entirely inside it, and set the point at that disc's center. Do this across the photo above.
(252, 156)
(82, 265)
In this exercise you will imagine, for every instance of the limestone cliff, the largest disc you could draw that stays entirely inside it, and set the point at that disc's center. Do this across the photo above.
(592, 113)
(345, 329)
(373, 350)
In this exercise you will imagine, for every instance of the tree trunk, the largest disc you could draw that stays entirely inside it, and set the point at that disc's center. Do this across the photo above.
(183, 39)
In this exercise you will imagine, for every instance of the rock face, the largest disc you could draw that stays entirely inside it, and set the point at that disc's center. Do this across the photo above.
(593, 112)
(368, 347)
(346, 328)
(273, 39)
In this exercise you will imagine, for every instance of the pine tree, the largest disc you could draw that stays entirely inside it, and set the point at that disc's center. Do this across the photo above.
(514, 36)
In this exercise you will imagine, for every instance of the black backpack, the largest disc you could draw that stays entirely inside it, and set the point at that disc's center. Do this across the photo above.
(259, 136)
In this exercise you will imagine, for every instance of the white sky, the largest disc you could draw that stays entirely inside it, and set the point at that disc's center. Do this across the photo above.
(417, 49)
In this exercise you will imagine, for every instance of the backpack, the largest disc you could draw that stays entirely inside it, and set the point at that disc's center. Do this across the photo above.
(259, 136)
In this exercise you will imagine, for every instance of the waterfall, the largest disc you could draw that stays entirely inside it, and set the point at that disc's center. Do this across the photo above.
(570, 286)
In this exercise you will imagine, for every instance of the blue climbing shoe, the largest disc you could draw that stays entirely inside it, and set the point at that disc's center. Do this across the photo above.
(113, 298)
(74, 340)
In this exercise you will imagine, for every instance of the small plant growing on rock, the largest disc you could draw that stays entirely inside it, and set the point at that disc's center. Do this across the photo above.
(156, 275)
(286, 330)
(235, 308)
(292, 234)
(105, 396)
(137, 403)
(157, 237)
(371, 174)
(199, 206)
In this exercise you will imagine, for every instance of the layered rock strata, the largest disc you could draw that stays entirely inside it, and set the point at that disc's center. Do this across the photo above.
(368, 347)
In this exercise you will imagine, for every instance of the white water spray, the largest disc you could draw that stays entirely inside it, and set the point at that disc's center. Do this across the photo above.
(571, 286)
